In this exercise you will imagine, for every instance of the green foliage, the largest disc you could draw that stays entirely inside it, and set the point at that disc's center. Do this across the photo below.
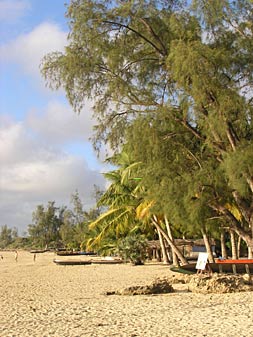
(172, 81)
(46, 225)
(20, 243)
(75, 224)
(94, 66)
(9, 239)
(7, 236)
(120, 200)
(133, 248)
(243, 158)
(54, 227)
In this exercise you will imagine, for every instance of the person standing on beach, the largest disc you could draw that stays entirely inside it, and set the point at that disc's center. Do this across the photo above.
(34, 257)
(16, 255)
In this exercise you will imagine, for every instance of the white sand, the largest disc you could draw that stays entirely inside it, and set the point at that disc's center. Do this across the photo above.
(39, 299)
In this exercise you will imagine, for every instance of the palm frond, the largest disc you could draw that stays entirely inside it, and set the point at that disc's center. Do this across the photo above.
(103, 217)
(143, 210)
(126, 173)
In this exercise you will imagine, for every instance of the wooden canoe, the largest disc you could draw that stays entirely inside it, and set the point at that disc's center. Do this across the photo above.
(241, 266)
(105, 261)
(68, 253)
(238, 261)
(38, 251)
(85, 262)
(71, 262)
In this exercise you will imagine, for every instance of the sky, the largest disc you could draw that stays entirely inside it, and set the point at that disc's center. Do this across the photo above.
(45, 152)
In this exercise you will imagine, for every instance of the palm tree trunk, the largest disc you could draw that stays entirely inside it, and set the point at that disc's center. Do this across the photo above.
(250, 249)
(208, 247)
(233, 245)
(164, 253)
(175, 261)
(223, 245)
(239, 247)
(172, 245)
(250, 253)
(235, 225)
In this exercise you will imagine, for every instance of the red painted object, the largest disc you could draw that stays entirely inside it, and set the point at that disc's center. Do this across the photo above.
(238, 261)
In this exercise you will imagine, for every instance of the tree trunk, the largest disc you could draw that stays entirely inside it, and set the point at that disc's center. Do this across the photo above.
(235, 224)
(208, 247)
(223, 245)
(164, 253)
(175, 261)
(250, 248)
(250, 253)
(172, 245)
(233, 245)
(239, 247)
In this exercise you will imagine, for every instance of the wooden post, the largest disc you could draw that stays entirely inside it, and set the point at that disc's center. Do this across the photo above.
(247, 270)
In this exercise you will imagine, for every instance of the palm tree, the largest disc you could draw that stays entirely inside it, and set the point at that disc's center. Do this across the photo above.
(127, 209)
(144, 211)
(121, 200)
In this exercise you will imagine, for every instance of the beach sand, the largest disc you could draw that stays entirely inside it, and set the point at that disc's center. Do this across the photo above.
(39, 298)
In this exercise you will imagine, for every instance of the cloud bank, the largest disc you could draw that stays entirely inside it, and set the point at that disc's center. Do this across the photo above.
(36, 169)
(46, 156)
(27, 50)
(12, 10)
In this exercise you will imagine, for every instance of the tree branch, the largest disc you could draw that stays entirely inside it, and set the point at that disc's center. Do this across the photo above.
(136, 32)
(154, 35)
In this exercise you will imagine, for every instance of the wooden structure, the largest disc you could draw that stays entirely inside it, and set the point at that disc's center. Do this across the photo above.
(199, 247)
(190, 248)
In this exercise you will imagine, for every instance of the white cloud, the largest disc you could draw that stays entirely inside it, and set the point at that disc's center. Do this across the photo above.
(36, 166)
(59, 124)
(12, 10)
(27, 50)
(18, 144)
(56, 178)
(35, 170)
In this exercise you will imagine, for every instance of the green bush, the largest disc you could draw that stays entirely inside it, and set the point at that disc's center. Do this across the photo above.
(133, 248)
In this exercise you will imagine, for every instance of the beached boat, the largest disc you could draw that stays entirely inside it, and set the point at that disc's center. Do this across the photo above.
(70, 253)
(239, 266)
(107, 261)
(71, 262)
(36, 251)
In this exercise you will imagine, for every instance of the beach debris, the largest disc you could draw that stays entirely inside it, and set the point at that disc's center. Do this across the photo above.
(219, 284)
(158, 286)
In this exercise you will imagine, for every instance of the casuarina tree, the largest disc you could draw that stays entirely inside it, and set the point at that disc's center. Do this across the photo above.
(190, 64)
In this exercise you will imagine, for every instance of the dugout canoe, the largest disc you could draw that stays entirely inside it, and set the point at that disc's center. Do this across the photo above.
(107, 261)
(66, 253)
(85, 262)
(71, 262)
(239, 266)
(38, 251)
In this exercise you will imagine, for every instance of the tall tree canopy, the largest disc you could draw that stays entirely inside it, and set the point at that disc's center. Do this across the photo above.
(188, 68)
(47, 221)
(7, 236)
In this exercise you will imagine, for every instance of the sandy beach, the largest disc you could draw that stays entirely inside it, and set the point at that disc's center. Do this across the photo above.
(39, 299)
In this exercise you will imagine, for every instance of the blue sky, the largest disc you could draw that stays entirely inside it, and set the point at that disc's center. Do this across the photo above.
(45, 152)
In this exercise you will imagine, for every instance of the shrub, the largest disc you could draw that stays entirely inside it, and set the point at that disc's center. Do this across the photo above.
(133, 248)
